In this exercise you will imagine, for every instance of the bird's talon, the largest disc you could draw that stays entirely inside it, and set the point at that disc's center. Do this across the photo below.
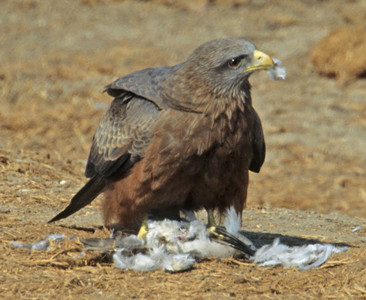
(143, 230)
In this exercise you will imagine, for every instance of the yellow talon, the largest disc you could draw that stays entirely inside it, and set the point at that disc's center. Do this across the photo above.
(143, 229)
(211, 225)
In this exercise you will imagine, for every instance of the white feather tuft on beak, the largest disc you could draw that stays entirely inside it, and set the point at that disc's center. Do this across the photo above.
(277, 72)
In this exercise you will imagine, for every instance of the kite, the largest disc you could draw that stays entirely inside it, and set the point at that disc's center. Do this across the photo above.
(178, 138)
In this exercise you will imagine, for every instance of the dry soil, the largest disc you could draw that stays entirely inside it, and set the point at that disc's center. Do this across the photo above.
(55, 58)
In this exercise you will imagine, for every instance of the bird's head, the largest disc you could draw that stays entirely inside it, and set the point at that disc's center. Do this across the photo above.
(225, 64)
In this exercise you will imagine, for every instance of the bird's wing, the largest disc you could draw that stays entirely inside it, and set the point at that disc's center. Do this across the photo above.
(145, 83)
(122, 136)
(121, 139)
(259, 146)
(126, 129)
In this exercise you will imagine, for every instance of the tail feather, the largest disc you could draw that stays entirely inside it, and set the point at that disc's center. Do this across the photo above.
(86, 195)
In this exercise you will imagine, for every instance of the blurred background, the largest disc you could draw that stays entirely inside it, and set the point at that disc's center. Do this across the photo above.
(56, 57)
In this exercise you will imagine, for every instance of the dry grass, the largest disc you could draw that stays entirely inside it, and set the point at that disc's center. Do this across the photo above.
(51, 102)
(341, 54)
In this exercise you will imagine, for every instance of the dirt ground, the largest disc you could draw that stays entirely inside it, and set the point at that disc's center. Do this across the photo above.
(56, 57)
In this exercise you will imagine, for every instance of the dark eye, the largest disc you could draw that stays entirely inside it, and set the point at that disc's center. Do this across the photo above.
(234, 62)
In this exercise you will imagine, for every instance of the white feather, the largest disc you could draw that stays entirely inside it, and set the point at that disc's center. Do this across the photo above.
(177, 263)
(189, 215)
(304, 257)
(175, 246)
(41, 245)
(233, 224)
(277, 72)
(232, 221)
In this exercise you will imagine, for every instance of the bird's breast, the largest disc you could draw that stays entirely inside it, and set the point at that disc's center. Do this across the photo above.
(189, 144)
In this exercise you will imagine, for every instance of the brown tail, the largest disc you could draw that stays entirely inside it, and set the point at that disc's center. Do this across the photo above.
(85, 196)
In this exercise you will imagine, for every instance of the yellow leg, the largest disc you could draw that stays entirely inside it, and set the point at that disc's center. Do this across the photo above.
(211, 225)
(210, 218)
(219, 234)
(143, 229)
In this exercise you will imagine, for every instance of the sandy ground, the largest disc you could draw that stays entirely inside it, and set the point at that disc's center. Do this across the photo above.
(55, 58)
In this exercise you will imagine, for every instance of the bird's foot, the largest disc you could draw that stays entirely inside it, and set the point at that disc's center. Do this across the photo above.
(219, 234)
(143, 229)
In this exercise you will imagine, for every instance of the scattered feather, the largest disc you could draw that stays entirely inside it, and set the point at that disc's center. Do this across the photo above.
(232, 221)
(357, 228)
(304, 257)
(189, 215)
(233, 224)
(42, 245)
(175, 246)
(277, 72)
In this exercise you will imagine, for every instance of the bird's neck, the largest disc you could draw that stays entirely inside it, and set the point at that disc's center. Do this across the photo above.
(203, 100)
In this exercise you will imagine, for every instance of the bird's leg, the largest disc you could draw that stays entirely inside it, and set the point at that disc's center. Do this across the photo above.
(211, 223)
(212, 227)
(171, 213)
(144, 228)
(220, 234)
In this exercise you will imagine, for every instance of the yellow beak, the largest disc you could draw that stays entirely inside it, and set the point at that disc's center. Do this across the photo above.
(260, 61)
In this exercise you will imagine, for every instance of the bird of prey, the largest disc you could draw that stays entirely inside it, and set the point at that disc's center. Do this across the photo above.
(180, 137)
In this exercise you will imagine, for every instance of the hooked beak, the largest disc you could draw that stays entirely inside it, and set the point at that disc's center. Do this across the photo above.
(260, 61)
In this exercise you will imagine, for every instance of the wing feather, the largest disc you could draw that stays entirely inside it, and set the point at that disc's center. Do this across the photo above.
(122, 136)
(259, 145)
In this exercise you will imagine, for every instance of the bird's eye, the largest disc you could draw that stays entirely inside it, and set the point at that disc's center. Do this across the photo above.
(234, 62)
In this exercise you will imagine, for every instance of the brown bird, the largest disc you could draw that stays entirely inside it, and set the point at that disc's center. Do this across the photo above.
(181, 137)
